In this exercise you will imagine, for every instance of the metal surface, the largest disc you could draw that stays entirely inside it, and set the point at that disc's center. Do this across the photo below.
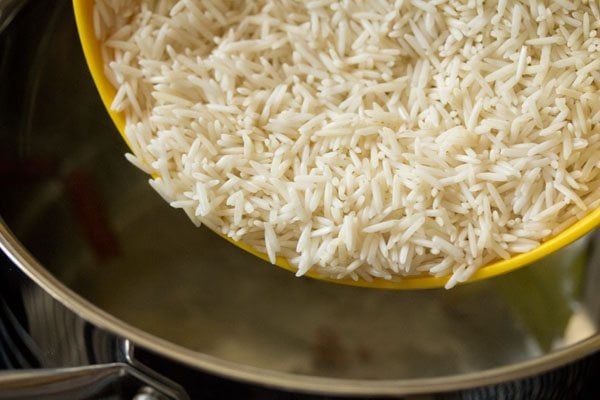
(70, 203)
(48, 352)
(79, 383)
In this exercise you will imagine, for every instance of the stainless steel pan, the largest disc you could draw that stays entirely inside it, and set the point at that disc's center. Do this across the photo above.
(86, 227)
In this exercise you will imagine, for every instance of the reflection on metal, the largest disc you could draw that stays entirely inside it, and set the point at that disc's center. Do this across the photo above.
(72, 358)
(579, 327)
(8, 11)
(88, 382)
(171, 291)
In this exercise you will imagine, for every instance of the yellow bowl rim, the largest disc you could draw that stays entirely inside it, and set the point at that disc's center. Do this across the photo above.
(91, 48)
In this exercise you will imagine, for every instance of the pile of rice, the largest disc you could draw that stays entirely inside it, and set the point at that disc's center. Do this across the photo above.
(364, 138)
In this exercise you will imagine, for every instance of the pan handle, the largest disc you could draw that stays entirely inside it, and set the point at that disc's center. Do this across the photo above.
(87, 383)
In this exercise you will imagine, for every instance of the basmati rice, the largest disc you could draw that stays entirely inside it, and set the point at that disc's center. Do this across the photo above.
(362, 138)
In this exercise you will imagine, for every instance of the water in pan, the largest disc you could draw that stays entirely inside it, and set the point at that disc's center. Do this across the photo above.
(90, 217)
(174, 281)
(180, 288)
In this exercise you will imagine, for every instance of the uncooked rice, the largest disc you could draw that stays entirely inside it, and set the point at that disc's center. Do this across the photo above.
(364, 139)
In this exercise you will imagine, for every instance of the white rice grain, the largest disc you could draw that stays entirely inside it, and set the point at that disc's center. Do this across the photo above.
(364, 139)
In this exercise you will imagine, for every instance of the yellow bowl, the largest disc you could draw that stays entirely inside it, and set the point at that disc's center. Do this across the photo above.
(91, 49)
